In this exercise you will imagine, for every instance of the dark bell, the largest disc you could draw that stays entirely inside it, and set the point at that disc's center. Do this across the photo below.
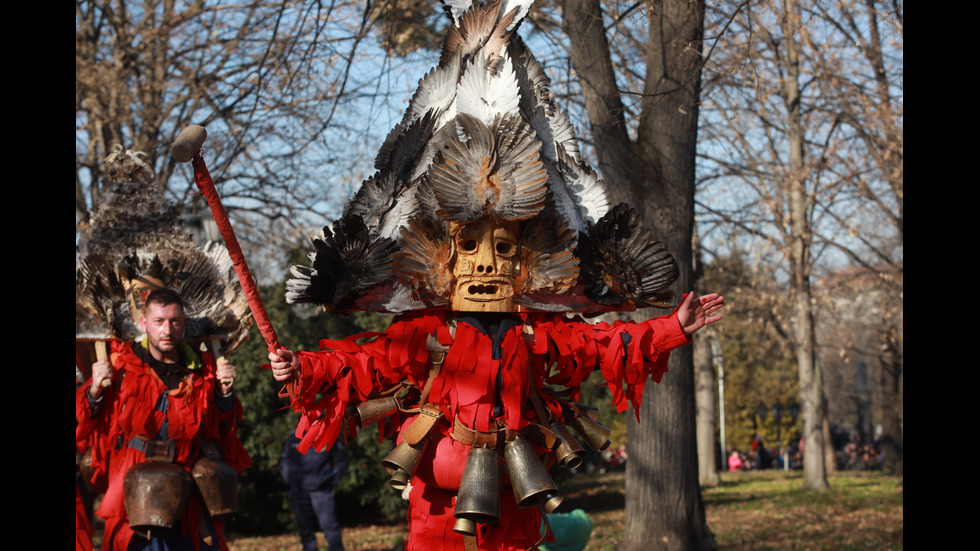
(100, 485)
(595, 434)
(568, 452)
(155, 494)
(530, 480)
(402, 461)
(218, 484)
(479, 489)
(370, 412)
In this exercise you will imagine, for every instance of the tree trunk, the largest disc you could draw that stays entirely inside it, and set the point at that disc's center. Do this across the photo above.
(706, 412)
(811, 384)
(655, 175)
(892, 444)
(829, 454)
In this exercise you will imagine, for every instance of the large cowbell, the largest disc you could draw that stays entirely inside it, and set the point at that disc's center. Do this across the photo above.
(155, 494)
(530, 480)
(479, 491)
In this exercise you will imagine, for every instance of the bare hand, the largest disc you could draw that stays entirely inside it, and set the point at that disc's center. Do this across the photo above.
(226, 375)
(285, 365)
(101, 371)
(693, 314)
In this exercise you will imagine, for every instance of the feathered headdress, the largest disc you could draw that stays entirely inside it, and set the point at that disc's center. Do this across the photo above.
(135, 243)
(484, 139)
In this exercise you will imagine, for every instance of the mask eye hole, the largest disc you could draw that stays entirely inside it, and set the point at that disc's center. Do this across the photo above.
(504, 248)
(468, 245)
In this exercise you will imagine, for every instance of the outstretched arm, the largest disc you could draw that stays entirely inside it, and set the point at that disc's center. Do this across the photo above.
(695, 313)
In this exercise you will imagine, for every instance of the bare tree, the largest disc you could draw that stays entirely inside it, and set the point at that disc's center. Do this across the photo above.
(268, 80)
(784, 145)
(643, 122)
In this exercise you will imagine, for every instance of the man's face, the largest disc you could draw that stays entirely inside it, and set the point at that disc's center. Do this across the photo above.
(486, 265)
(164, 328)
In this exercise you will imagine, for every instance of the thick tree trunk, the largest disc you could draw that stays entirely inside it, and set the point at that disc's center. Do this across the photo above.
(706, 412)
(655, 175)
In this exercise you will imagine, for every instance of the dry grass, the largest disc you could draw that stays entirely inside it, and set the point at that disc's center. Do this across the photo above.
(763, 510)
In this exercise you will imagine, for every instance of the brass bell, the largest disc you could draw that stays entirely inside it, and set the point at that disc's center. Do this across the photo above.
(530, 480)
(595, 434)
(402, 461)
(479, 489)
(551, 501)
(370, 412)
(569, 452)
(399, 479)
(465, 526)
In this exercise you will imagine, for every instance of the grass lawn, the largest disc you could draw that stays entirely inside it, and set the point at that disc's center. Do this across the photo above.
(750, 511)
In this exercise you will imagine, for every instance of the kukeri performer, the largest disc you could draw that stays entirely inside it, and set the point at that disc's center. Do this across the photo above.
(167, 400)
(484, 230)
(158, 416)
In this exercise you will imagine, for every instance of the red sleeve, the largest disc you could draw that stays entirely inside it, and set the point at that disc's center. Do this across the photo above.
(345, 372)
(231, 447)
(92, 432)
(224, 424)
(628, 354)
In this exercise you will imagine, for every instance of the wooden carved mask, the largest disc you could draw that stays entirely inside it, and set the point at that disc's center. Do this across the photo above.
(485, 266)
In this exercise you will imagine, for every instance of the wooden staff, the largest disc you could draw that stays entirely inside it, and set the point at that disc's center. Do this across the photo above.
(101, 354)
(187, 147)
(218, 357)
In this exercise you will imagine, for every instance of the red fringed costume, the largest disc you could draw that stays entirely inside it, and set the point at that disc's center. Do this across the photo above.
(83, 528)
(481, 224)
(130, 411)
(481, 386)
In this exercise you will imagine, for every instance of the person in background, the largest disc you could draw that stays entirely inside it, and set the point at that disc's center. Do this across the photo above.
(735, 461)
(312, 478)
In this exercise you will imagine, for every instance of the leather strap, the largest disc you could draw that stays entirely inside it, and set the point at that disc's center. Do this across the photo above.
(427, 418)
(465, 435)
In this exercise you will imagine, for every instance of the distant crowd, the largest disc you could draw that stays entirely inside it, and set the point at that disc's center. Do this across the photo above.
(851, 456)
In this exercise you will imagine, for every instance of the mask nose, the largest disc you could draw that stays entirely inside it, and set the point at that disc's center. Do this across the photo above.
(485, 261)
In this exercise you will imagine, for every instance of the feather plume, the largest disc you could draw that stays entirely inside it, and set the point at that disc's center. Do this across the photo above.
(488, 170)
(347, 264)
(622, 266)
(484, 136)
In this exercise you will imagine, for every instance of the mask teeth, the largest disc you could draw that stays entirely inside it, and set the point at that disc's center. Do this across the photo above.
(482, 289)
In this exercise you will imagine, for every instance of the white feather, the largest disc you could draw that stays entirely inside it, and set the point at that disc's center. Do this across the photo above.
(483, 95)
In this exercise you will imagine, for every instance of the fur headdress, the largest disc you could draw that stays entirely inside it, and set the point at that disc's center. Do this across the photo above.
(483, 138)
(135, 243)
